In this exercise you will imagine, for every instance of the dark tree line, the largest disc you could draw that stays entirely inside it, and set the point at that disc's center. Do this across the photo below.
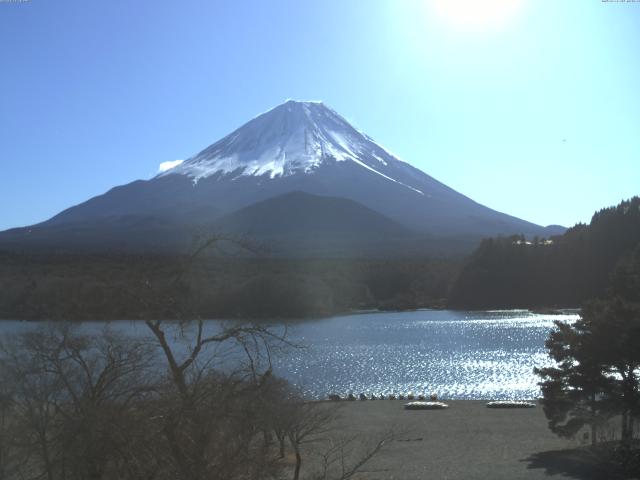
(79, 287)
(564, 271)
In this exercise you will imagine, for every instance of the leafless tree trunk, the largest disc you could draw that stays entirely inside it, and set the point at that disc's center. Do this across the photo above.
(89, 407)
(347, 455)
(307, 422)
(212, 424)
(73, 397)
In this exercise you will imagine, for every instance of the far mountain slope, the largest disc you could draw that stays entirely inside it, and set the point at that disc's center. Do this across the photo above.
(302, 223)
(295, 147)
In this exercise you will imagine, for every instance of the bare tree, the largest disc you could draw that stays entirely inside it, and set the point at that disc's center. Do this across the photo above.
(308, 422)
(76, 406)
(214, 414)
(313, 429)
(73, 396)
(10, 456)
(344, 456)
(216, 374)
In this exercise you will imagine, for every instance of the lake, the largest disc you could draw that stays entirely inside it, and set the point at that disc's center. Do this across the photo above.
(458, 355)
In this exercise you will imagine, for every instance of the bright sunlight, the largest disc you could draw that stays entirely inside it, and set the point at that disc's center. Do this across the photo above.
(476, 15)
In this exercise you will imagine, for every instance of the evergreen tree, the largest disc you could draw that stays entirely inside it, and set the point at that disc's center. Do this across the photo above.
(615, 326)
(598, 360)
(564, 271)
(575, 392)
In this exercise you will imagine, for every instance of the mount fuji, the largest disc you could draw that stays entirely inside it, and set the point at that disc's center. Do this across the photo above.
(299, 177)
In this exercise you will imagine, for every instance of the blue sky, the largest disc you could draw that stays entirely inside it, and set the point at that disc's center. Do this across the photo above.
(532, 109)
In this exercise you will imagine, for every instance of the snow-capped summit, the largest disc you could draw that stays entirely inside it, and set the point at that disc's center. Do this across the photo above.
(299, 177)
(294, 137)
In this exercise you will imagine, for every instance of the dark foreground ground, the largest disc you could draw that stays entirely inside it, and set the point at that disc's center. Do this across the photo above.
(468, 441)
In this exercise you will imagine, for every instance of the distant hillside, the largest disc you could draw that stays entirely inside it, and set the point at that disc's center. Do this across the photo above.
(510, 272)
(299, 223)
(299, 213)
(294, 225)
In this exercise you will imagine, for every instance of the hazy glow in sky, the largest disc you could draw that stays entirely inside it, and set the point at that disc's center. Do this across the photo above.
(475, 15)
(529, 107)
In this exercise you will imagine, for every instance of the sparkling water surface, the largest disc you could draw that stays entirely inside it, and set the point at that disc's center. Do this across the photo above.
(456, 354)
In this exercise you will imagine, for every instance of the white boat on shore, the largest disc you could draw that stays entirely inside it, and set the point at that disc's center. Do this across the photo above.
(511, 404)
(425, 406)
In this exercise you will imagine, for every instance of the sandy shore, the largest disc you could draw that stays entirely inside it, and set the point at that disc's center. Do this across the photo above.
(467, 441)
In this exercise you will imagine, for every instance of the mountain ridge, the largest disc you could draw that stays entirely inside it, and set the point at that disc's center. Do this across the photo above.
(294, 147)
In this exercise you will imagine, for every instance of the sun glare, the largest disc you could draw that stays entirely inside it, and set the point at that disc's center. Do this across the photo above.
(475, 15)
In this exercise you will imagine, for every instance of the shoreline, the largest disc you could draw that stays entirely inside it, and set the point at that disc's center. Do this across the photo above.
(337, 313)
(466, 441)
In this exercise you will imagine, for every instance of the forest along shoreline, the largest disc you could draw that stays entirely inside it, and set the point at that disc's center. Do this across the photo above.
(502, 273)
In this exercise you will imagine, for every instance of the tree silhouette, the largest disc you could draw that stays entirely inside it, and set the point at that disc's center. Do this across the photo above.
(597, 374)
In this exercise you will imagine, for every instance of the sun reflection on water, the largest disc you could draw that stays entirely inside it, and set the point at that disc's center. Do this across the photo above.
(459, 355)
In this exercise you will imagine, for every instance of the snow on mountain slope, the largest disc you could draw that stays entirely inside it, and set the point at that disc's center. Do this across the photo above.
(300, 147)
(292, 138)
